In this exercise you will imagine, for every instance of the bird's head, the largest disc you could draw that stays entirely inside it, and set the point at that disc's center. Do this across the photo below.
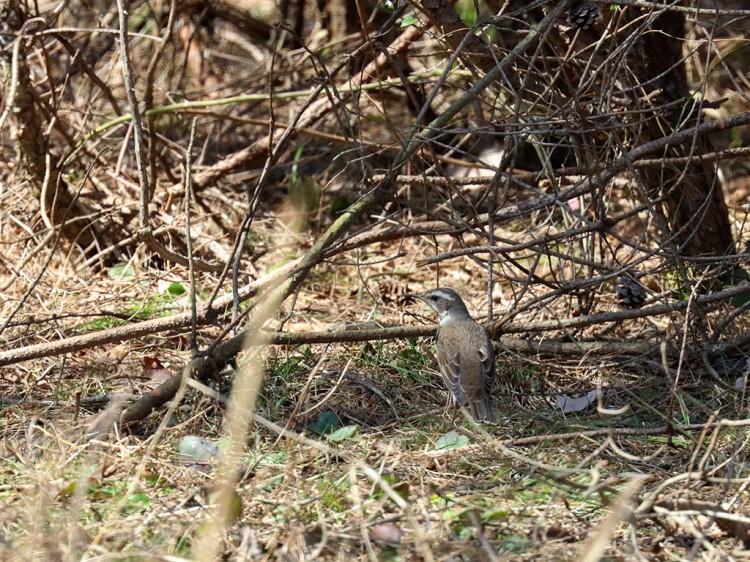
(446, 302)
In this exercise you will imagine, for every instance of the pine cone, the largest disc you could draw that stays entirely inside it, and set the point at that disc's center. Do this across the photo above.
(630, 292)
(583, 16)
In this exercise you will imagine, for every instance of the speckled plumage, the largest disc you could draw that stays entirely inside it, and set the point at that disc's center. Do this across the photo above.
(464, 354)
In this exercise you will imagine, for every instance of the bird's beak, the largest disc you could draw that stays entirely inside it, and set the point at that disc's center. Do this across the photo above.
(413, 298)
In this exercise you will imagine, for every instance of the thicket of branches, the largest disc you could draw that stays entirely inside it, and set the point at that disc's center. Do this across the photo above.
(563, 147)
(588, 157)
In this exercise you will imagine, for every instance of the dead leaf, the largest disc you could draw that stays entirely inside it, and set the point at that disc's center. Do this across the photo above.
(569, 404)
(386, 533)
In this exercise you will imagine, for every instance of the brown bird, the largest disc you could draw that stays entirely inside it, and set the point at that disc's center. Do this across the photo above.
(464, 353)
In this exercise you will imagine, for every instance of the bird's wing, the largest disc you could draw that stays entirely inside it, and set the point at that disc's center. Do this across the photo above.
(487, 359)
(450, 368)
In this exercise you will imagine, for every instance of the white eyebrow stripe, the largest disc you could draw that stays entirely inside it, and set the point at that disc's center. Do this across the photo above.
(442, 293)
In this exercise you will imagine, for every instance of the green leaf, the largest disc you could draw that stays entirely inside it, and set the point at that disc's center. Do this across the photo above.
(467, 11)
(408, 21)
(465, 533)
(176, 289)
(139, 500)
(344, 433)
(121, 270)
(295, 164)
(339, 205)
(326, 422)
(68, 490)
(451, 440)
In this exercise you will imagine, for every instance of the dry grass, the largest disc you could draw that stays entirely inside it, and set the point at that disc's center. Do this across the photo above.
(64, 495)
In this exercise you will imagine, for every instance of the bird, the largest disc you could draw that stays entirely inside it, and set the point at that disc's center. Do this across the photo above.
(465, 355)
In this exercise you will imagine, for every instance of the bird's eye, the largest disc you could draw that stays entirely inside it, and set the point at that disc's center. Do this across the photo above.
(433, 298)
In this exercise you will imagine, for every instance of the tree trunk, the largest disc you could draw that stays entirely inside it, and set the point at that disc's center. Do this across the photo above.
(693, 199)
(58, 203)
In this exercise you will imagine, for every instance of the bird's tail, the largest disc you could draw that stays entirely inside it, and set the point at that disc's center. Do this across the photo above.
(482, 411)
